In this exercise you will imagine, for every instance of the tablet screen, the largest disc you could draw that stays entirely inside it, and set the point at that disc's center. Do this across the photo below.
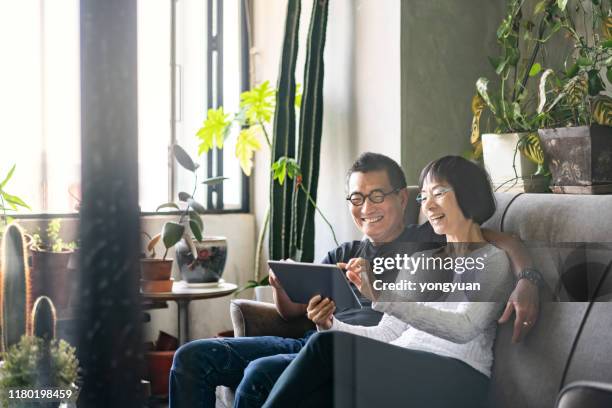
(302, 281)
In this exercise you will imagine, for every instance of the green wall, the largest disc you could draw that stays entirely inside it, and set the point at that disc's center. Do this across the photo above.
(444, 49)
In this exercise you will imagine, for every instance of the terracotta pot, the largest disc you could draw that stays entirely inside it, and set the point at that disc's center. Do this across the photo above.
(166, 342)
(51, 276)
(159, 364)
(155, 269)
(156, 286)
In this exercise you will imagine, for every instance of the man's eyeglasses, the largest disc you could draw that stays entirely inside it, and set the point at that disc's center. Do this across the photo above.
(375, 196)
(436, 194)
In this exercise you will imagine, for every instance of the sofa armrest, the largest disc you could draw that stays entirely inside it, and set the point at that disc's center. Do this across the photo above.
(251, 318)
(585, 394)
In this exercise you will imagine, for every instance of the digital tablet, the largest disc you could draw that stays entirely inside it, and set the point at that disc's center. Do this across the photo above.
(302, 281)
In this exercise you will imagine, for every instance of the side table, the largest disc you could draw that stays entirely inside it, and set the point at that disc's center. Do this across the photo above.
(182, 295)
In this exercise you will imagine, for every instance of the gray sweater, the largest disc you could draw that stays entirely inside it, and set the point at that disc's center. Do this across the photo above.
(457, 328)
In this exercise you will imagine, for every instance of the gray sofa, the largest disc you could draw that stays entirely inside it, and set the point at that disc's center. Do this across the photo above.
(570, 237)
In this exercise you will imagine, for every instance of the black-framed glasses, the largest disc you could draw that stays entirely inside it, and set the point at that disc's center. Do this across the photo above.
(436, 194)
(376, 196)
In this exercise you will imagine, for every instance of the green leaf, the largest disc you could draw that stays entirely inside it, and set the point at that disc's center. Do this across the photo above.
(595, 83)
(183, 196)
(298, 96)
(607, 44)
(259, 103)
(195, 230)
(172, 233)
(535, 69)
(195, 217)
(279, 170)
(196, 206)
(293, 169)
(584, 62)
(539, 7)
(8, 176)
(572, 71)
(214, 130)
(168, 205)
(183, 158)
(502, 65)
(14, 200)
(215, 180)
(609, 74)
(562, 4)
(246, 146)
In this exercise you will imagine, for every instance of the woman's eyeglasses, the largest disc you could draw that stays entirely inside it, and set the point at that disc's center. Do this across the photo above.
(436, 194)
(376, 196)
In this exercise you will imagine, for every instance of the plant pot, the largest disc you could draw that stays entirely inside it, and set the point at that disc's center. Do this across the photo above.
(209, 264)
(580, 158)
(52, 277)
(159, 364)
(498, 155)
(155, 269)
(264, 294)
(156, 286)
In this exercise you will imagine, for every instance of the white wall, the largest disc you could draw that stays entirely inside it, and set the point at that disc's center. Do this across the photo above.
(361, 96)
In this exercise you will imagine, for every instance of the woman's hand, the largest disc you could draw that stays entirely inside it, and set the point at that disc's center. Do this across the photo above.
(353, 268)
(359, 272)
(321, 312)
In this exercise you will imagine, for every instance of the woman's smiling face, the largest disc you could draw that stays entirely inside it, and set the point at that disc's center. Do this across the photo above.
(441, 208)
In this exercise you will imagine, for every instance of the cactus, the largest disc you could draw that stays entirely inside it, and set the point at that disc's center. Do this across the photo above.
(291, 213)
(43, 318)
(283, 143)
(310, 130)
(15, 288)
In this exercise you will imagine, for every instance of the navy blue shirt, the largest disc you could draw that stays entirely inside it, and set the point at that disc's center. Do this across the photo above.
(414, 238)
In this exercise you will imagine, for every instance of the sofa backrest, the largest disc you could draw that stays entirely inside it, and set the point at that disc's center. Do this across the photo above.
(570, 239)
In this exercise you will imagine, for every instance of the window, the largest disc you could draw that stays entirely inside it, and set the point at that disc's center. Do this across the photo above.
(40, 102)
(40, 99)
(204, 40)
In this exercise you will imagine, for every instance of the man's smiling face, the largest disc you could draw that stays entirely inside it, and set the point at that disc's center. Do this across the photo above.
(382, 222)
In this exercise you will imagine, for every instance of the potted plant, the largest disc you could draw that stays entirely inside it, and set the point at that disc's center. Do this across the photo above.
(33, 358)
(255, 115)
(511, 153)
(575, 108)
(201, 259)
(40, 361)
(51, 274)
(155, 273)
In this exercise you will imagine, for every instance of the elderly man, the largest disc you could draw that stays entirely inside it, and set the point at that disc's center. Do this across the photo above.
(377, 198)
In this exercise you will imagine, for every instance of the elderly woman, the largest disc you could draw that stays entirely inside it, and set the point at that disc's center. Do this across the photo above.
(421, 354)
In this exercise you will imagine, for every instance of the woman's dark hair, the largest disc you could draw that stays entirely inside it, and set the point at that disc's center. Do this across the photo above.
(369, 161)
(470, 183)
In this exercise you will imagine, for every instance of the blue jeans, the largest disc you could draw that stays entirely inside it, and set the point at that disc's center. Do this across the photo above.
(250, 365)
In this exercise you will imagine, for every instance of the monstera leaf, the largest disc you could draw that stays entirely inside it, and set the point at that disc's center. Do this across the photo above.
(246, 146)
(214, 130)
(259, 103)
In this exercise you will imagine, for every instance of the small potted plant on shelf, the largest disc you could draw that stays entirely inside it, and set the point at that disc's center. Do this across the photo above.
(51, 272)
(511, 151)
(201, 259)
(575, 107)
(155, 273)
